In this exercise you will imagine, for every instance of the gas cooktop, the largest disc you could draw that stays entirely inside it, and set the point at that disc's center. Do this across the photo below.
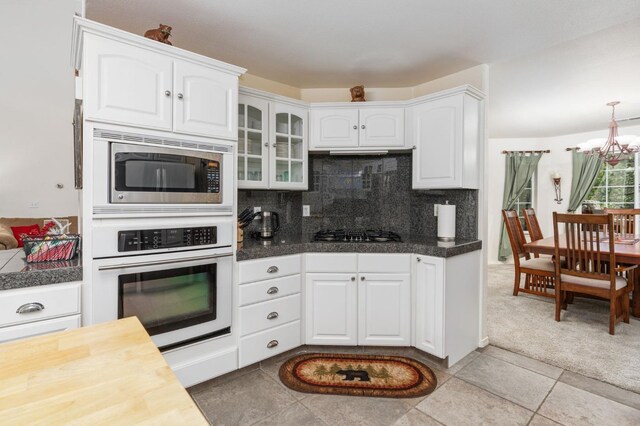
(350, 236)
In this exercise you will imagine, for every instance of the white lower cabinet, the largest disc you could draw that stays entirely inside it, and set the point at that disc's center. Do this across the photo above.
(270, 307)
(332, 309)
(446, 304)
(32, 311)
(429, 305)
(384, 309)
(363, 305)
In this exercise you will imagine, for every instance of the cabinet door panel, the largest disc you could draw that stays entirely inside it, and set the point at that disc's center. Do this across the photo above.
(438, 133)
(331, 309)
(205, 101)
(288, 153)
(429, 305)
(382, 127)
(126, 84)
(253, 143)
(384, 309)
(334, 128)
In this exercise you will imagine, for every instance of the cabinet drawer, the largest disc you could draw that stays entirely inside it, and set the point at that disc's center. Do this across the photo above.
(55, 301)
(269, 343)
(255, 317)
(333, 263)
(262, 291)
(271, 267)
(22, 331)
(385, 263)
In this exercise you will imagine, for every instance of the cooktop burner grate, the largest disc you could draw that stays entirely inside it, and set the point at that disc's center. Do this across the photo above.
(351, 236)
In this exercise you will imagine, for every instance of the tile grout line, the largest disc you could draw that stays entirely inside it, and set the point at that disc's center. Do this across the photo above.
(547, 396)
(496, 395)
(525, 368)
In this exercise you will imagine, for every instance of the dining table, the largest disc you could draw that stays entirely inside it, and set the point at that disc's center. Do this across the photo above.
(627, 254)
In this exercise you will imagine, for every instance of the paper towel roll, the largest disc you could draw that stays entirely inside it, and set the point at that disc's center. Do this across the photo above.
(446, 222)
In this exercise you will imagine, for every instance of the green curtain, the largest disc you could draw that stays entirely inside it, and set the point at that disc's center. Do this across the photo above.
(585, 172)
(519, 167)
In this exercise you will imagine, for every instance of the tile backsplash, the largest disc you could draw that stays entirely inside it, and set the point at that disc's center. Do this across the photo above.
(361, 192)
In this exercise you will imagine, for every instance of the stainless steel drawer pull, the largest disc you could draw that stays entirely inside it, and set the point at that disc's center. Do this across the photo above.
(272, 269)
(273, 290)
(272, 315)
(272, 344)
(30, 307)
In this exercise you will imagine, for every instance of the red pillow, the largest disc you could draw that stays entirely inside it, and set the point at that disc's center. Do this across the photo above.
(18, 230)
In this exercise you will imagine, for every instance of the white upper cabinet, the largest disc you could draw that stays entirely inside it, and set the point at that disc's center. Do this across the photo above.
(334, 128)
(288, 153)
(382, 127)
(253, 142)
(204, 101)
(272, 142)
(131, 80)
(344, 128)
(445, 133)
(127, 85)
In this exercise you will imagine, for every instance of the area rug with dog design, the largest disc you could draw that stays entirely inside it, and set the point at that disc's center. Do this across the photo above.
(358, 375)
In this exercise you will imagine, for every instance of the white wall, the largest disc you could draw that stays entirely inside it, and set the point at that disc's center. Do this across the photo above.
(36, 108)
(557, 160)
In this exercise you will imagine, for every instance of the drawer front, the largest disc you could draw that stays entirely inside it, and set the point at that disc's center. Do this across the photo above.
(263, 291)
(385, 263)
(38, 303)
(332, 263)
(269, 343)
(264, 315)
(271, 267)
(38, 328)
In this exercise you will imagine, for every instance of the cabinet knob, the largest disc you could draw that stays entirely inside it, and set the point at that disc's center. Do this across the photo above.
(266, 144)
(418, 259)
(272, 269)
(30, 307)
(180, 96)
(272, 315)
(273, 144)
(167, 92)
(355, 127)
(353, 278)
(363, 127)
(361, 278)
(272, 344)
(273, 290)
(413, 147)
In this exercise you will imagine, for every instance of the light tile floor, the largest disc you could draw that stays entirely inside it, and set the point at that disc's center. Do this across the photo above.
(490, 386)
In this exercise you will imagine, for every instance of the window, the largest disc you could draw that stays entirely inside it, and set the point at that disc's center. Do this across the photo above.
(614, 186)
(525, 200)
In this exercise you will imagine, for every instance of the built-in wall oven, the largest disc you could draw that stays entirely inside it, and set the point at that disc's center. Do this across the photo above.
(176, 279)
(135, 172)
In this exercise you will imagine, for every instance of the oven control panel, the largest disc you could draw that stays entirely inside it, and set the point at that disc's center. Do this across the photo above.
(153, 239)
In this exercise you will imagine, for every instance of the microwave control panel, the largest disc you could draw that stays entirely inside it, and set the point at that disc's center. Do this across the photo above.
(213, 177)
(153, 239)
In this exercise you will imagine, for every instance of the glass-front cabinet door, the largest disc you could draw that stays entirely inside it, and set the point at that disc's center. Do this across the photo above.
(288, 151)
(253, 142)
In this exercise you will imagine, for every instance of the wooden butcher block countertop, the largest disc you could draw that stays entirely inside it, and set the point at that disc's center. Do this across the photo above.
(110, 373)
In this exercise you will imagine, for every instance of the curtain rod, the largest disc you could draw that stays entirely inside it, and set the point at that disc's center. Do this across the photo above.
(546, 151)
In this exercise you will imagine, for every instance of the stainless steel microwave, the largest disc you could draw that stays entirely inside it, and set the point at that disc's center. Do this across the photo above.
(144, 174)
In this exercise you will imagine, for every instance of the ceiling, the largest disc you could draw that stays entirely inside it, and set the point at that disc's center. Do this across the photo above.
(553, 64)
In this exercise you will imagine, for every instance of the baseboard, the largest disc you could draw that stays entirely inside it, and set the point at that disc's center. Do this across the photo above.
(484, 342)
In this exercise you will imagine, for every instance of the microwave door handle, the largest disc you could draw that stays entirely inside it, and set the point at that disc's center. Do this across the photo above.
(164, 180)
(161, 262)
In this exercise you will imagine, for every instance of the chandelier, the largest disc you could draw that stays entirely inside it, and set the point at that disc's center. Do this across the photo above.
(615, 147)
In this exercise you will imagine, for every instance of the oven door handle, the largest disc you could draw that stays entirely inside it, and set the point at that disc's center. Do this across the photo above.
(160, 262)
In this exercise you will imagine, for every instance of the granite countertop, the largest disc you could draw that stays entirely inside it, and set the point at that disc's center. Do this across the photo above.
(15, 272)
(296, 244)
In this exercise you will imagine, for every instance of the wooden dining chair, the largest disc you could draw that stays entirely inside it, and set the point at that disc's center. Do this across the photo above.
(585, 267)
(539, 272)
(624, 220)
(530, 218)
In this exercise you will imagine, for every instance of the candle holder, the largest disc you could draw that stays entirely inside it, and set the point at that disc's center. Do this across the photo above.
(556, 187)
